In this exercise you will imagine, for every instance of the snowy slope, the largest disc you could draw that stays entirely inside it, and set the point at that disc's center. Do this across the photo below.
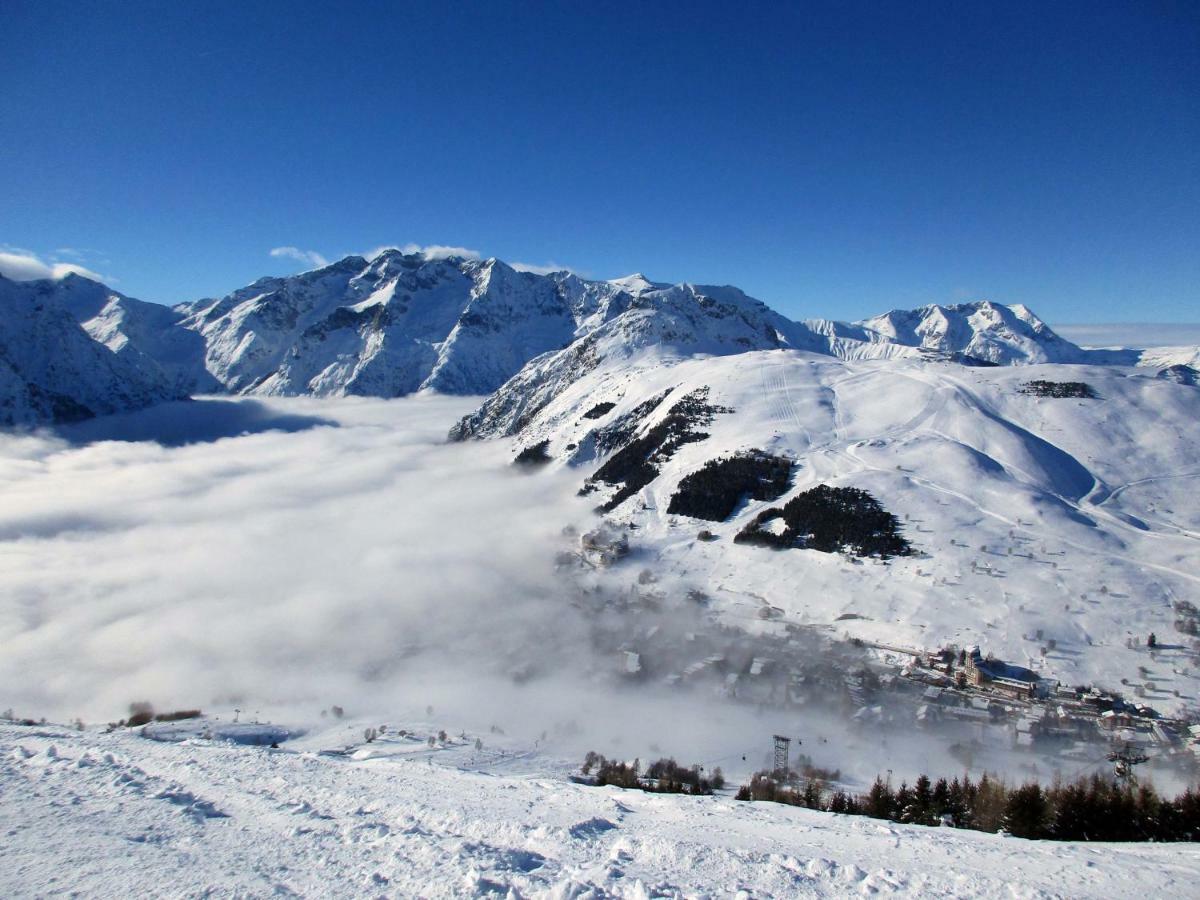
(51, 370)
(96, 814)
(149, 336)
(401, 323)
(1034, 517)
(393, 325)
(1001, 335)
(988, 331)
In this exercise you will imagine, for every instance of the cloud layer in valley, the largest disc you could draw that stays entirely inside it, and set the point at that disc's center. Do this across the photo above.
(289, 555)
(299, 567)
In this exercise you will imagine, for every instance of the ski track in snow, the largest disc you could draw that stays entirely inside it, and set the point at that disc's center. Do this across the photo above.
(92, 813)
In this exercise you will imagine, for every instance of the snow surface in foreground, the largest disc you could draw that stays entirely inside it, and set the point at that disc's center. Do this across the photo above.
(117, 815)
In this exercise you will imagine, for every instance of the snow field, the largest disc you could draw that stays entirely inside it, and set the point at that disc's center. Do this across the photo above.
(115, 815)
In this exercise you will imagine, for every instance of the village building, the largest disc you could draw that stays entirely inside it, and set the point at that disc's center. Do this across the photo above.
(1003, 678)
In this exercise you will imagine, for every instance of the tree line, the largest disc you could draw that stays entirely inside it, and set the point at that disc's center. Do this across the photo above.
(1087, 809)
(664, 776)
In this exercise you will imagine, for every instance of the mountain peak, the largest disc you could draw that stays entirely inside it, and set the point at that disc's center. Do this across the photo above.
(635, 284)
(983, 329)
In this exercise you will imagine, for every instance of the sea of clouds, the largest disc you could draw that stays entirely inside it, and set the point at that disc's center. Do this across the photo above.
(335, 550)
(286, 556)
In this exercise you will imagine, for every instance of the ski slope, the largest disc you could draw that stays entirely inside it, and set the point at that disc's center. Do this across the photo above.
(118, 815)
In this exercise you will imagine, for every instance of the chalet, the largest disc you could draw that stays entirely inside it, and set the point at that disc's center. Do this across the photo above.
(1111, 720)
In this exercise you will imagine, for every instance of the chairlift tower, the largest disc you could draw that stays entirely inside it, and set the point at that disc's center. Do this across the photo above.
(1126, 758)
(781, 754)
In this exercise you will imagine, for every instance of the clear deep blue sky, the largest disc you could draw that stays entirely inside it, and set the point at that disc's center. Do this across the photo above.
(833, 159)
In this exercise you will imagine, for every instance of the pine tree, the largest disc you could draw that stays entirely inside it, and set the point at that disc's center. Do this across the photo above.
(1026, 812)
(940, 807)
(987, 805)
(903, 810)
(922, 803)
(879, 800)
(812, 795)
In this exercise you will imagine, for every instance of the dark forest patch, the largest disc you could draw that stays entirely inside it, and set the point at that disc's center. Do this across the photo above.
(717, 489)
(1058, 389)
(618, 433)
(830, 519)
(534, 455)
(599, 410)
(636, 464)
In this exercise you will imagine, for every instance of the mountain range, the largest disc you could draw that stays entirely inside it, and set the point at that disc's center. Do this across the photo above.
(400, 323)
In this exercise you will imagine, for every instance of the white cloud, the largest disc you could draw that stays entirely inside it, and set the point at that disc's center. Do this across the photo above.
(429, 251)
(541, 270)
(23, 265)
(308, 257)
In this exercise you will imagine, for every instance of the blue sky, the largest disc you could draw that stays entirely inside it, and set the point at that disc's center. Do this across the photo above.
(833, 159)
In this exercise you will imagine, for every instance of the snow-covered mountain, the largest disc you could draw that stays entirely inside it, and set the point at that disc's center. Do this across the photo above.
(392, 325)
(149, 336)
(51, 370)
(991, 332)
(400, 323)
(1042, 501)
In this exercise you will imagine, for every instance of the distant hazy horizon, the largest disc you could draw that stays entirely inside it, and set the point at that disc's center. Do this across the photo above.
(1130, 334)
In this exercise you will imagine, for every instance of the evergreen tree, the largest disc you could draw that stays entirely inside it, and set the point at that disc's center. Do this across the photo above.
(903, 810)
(1072, 812)
(879, 802)
(812, 795)
(1026, 812)
(922, 803)
(941, 802)
(987, 807)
